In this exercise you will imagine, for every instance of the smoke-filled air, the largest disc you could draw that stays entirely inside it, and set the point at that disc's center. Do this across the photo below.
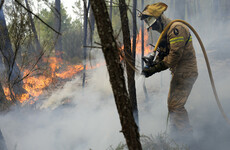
(67, 84)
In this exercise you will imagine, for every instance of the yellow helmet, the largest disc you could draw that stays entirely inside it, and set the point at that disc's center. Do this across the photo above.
(154, 10)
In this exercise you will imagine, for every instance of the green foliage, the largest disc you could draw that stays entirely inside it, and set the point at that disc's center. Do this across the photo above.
(71, 34)
(78, 9)
(18, 28)
(44, 32)
(72, 40)
(18, 23)
(22, 37)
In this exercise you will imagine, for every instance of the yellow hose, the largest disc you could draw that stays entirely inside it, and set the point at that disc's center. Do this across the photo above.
(206, 60)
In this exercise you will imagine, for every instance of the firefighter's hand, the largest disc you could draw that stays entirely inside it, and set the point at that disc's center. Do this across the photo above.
(147, 72)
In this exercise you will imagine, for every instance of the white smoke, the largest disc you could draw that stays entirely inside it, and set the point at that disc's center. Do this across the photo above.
(91, 120)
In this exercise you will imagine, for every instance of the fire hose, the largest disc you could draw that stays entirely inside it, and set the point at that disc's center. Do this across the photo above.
(206, 60)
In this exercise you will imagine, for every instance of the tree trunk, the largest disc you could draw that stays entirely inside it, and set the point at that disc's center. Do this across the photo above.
(92, 26)
(4, 103)
(111, 54)
(142, 37)
(57, 27)
(130, 57)
(9, 57)
(1, 4)
(143, 51)
(111, 10)
(131, 83)
(91, 32)
(2, 142)
(86, 10)
(37, 43)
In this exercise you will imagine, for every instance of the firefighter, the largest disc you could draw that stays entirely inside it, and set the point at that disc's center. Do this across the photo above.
(179, 56)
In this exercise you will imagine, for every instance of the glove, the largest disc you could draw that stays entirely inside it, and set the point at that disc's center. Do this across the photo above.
(147, 72)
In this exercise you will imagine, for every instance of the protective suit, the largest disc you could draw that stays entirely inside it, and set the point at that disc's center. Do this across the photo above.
(182, 62)
(180, 59)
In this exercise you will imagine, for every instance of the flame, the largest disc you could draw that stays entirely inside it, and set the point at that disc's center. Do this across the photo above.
(23, 97)
(70, 71)
(147, 47)
(35, 85)
(7, 93)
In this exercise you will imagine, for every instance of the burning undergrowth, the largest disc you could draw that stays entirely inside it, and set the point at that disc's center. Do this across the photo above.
(42, 82)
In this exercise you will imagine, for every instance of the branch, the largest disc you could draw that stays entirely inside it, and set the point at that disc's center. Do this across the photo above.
(93, 47)
(37, 17)
(98, 43)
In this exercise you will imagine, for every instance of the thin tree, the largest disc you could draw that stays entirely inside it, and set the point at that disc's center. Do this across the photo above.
(37, 43)
(86, 11)
(1, 4)
(130, 65)
(91, 26)
(111, 10)
(57, 27)
(116, 74)
(142, 37)
(143, 51)
(91, 31)
(131, 82)
(9, 58)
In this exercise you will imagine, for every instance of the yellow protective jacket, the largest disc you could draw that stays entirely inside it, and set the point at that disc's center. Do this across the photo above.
(181, 58)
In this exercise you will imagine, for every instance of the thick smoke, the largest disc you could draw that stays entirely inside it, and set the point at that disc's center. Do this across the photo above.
(90, 119)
